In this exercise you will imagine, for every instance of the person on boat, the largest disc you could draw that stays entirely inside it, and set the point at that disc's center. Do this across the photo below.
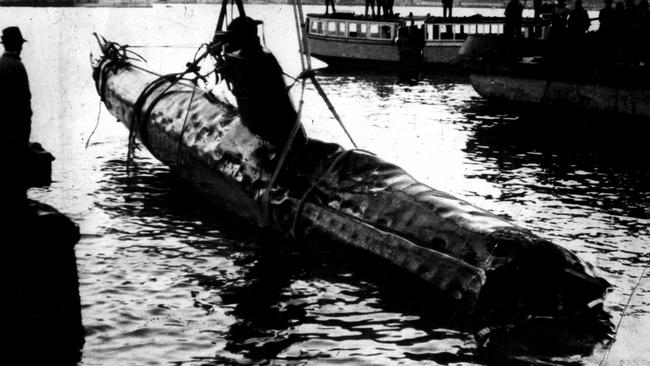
(578, 22)
(629, 29)
(619, 18)
(15, 103)
(380, 7)
(388, 8)
(558, 21)
(257, 82)
(537, 8)
(371, 4)
(447, 6)
(606, 20)
(644, 31)
(327, 6)
(512, 25)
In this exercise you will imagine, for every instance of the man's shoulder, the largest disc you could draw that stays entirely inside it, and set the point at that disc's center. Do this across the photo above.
(8, 62)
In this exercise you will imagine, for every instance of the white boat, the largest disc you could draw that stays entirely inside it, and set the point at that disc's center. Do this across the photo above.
(349, 39)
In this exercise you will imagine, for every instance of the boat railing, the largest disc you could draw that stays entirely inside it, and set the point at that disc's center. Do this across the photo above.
(459, 32)
(449, 32)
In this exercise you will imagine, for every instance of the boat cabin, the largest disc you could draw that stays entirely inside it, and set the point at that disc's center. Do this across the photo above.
(454, 31)
(352, 27)
(350, 38)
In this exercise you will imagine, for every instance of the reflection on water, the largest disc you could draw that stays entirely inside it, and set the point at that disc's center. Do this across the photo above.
(165, 278)
(593, 163)
(257, 298)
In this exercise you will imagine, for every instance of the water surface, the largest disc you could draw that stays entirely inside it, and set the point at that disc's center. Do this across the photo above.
(167, 280)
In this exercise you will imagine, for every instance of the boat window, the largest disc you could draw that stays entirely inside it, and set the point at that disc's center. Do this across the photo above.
(341, 31)
(497, 28)
(374, 31)
(353, 30)
(471, 29)
(313, 26)
(386, 32)
(357, 30)
(459, 31)
(447, 32)
(481, 29)
(436, 32)
(320, 28)
(331, 28)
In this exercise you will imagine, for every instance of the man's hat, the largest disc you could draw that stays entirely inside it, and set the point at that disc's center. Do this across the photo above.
(12, 34)
(243, 25)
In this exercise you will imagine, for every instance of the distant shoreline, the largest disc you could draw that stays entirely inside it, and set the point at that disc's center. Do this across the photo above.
(76, 4)
(592, 5)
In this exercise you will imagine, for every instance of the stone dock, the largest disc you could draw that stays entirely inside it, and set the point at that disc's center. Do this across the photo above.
(42, 296)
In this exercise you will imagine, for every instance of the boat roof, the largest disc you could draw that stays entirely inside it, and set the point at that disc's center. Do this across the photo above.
(479, 19)
(352, 16)
(472, 19)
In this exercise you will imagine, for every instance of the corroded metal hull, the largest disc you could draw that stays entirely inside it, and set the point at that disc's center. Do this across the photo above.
(351, 197)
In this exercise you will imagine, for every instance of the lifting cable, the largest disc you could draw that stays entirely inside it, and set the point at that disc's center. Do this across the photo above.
(160, 46)
(140, 115)
(99, 113)
(330, 169)
(305, 58)
(187, 113)
(120, 54)
(623, 314)
(307, 73)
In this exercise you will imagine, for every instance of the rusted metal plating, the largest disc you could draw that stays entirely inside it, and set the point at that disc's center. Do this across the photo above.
(355, 198)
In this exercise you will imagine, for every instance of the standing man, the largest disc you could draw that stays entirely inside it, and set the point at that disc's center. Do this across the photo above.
(16, 117)
(512, 26)
(381, 5)
(15, 97)
(447, 5)
(327, 6)
(537, 7)
(579, 22)
(558, 22)
(388, 8)
(606, 18)
(371, 4)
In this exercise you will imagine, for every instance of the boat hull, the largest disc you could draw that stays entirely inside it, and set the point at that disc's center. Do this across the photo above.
(441, 52)
(600, 98)
(367, 51)
(343, 52)
(529, 71)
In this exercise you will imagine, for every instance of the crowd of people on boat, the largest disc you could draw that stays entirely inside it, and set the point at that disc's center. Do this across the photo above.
(564, 23)
(384, 8)
(376, 7)
(623, 32)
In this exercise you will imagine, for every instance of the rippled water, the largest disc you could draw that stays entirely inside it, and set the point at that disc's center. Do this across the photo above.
(165, 279)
